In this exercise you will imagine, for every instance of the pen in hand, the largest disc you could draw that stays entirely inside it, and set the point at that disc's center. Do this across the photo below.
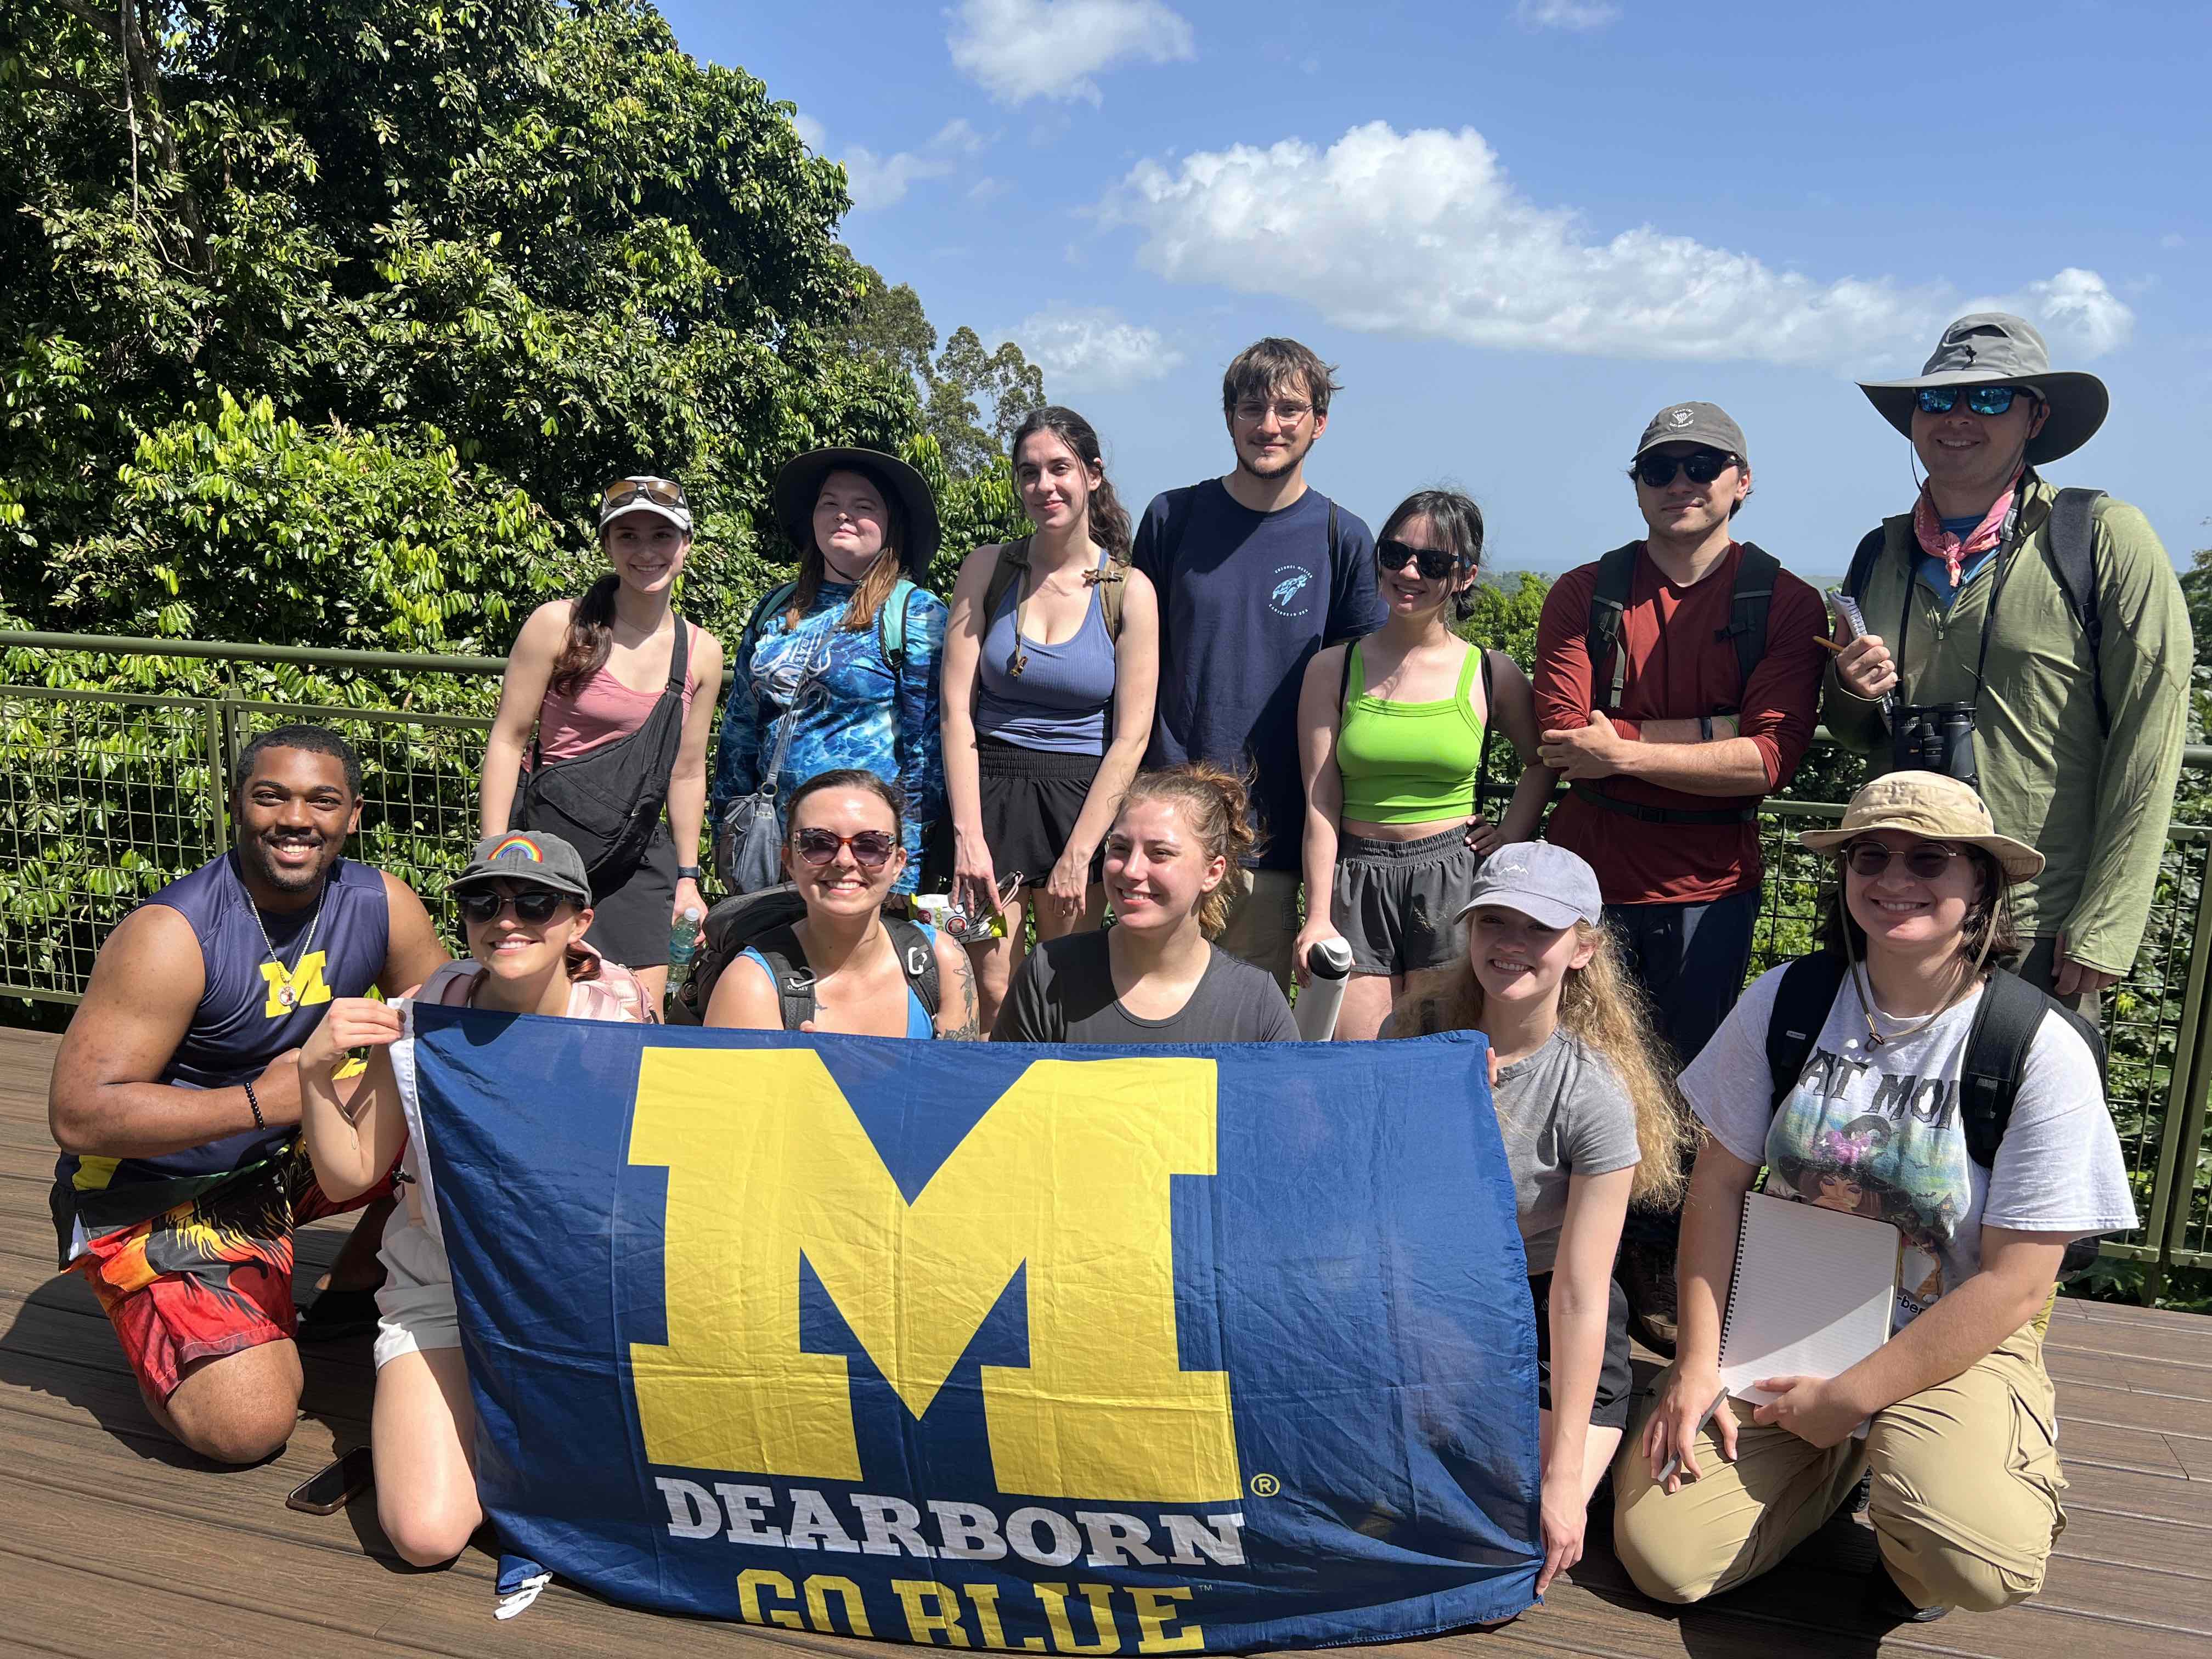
(1674, 1464)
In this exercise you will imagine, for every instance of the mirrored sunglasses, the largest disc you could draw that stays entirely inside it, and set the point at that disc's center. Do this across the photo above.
(628, 492)
(1981, 399)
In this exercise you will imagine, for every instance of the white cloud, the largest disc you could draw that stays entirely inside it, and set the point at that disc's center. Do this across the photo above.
(1093, 350)
(1581, 16)
(1421, 234)
(2173, 239)
(1017, 50)
(879, 181)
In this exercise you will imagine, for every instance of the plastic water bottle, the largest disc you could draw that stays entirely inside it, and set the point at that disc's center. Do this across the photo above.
(1330, 962)
(683, 941)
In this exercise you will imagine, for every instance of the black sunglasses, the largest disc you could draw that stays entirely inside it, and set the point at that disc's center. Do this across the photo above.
(1392, 555)
(1658, 472)
(871, 848)
(535, 906)
(1924, 860)
(1982, 399)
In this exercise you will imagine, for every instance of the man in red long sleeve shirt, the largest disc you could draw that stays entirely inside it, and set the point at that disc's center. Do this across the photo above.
(1666, 743)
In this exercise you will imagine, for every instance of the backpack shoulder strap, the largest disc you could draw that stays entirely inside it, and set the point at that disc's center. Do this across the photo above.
(1749, 604)
(770, 602)
(918, 959)
(1489, 726)
(794, 980)
(2074, 551)
(1111, 579)
(1802, 1002)
(1863, 558)
(890, 624)
(1013, 560)
(1616, 576)
(1343, 679)
(2012, 1012)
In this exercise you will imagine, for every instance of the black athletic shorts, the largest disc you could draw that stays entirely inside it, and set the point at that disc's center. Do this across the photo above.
(1609, 1409)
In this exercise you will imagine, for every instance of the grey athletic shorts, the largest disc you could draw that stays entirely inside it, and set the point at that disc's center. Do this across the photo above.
(1395, 901)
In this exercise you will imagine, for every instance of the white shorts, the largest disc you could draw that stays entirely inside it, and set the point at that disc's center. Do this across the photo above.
(415, 1306)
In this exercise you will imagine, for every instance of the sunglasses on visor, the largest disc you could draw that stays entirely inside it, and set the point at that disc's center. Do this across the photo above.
(628, 492)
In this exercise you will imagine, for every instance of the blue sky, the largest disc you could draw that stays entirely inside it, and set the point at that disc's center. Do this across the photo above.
(1520, 227)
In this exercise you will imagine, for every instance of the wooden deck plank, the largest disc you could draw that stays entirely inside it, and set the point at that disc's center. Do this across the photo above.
(79, 1457)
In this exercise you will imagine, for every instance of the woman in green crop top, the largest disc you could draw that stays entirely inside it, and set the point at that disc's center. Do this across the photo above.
(1390, 737)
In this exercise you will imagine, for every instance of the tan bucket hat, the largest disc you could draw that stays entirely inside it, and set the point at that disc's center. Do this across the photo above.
(1934, 808)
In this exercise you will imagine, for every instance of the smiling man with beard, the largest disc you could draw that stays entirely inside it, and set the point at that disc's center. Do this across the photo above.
(176, 1094)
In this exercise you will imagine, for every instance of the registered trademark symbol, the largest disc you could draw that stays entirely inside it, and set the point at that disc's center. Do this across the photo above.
(1265, 1485)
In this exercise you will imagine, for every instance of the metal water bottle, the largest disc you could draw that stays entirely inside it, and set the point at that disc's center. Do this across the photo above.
(1330, 962)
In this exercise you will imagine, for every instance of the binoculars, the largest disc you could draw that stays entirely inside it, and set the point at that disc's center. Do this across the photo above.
(1936, 738)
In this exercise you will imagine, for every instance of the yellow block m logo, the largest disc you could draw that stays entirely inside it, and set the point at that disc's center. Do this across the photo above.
(1067, 1173)
(303, 979)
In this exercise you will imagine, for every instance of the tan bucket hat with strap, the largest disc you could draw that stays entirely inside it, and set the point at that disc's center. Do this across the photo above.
(1934, 808)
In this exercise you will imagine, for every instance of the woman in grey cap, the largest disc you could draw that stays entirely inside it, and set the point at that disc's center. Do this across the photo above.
(1588, 1123)
(525, 905)
(605, 694)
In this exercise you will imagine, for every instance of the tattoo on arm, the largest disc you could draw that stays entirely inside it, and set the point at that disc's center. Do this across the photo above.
(964, 991)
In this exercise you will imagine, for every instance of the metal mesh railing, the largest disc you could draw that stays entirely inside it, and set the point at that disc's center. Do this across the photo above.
(105, 797)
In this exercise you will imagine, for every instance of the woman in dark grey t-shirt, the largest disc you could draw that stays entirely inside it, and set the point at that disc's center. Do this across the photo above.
(1587, 1120)
(1155, 976)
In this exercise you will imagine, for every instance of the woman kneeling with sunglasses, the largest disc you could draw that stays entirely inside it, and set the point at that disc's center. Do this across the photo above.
(844, 852)
(525, 902)
(1960, 1421)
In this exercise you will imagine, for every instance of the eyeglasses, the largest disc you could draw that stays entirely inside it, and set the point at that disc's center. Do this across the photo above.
(1393, 555)
(628, 492)
(871, 848)
(1658, 472)
(1924, 859)
(1252, 412)
(535, 906)
(1982, 399)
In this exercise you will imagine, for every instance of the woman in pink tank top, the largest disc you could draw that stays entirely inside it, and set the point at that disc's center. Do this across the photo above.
(589, 676)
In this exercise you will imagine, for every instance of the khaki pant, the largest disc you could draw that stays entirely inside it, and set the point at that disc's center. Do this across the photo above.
(1265, 922)
(1964, 1500)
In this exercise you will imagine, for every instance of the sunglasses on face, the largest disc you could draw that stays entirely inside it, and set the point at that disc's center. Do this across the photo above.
(628, 492)
(1658, 472)
(1981, 399)
(1393, 555)
(535, 906)
(1924, 860)
(871, 848)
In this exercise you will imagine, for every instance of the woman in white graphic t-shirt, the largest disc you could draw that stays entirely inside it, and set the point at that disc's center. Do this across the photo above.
(1961, 1440)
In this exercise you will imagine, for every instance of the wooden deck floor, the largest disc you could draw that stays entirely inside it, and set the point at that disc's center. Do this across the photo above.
(112, 1541)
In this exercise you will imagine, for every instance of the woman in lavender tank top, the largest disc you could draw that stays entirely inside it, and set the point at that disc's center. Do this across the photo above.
(590, 674)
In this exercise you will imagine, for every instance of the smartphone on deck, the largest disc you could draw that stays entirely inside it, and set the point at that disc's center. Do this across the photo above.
(336, 1483)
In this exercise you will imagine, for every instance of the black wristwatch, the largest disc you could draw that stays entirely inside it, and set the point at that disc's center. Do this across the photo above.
(1706, 727)
(687, 873)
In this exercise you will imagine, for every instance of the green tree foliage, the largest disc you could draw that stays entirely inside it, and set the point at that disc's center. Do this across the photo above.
(536, 237)
(967, 376)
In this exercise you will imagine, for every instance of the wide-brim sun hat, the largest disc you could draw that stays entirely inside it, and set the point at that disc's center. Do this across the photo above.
(1994, 348)
(1933, 807)
(800, 483)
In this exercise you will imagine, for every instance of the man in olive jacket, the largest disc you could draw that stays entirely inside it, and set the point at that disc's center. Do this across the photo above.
(1976, 617)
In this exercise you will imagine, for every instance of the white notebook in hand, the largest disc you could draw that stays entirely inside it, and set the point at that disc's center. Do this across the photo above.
(1813, 1293)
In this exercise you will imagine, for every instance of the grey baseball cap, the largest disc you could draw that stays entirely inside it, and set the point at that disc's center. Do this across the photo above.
(1693, 423)
(1538, 880)
(1995, 348)
(531, 856)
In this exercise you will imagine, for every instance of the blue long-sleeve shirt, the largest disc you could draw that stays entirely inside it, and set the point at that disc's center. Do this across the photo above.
(862, 712)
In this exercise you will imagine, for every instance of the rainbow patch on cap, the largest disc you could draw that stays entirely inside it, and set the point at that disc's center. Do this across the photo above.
(521, 844)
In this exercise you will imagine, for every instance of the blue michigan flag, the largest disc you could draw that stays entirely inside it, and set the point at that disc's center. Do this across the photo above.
(1080, 1350)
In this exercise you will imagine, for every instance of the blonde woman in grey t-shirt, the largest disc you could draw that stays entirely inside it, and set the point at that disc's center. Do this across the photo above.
(1588, 1123)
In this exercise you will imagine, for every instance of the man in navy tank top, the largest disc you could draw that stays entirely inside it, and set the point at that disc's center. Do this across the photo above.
(176, 1094)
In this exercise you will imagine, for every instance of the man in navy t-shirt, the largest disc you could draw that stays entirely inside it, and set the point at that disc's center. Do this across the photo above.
(1255, 572)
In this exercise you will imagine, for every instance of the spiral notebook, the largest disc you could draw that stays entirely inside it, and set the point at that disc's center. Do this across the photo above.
(1812, 1294)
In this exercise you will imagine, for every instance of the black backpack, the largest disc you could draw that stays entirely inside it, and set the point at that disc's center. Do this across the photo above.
(2004, 1028)
(2074, 554)
(1749, 601)
(764, 922)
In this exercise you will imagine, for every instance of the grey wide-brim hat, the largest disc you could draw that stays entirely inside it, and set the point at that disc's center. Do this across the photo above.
(800, 482)
(1994, 348)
